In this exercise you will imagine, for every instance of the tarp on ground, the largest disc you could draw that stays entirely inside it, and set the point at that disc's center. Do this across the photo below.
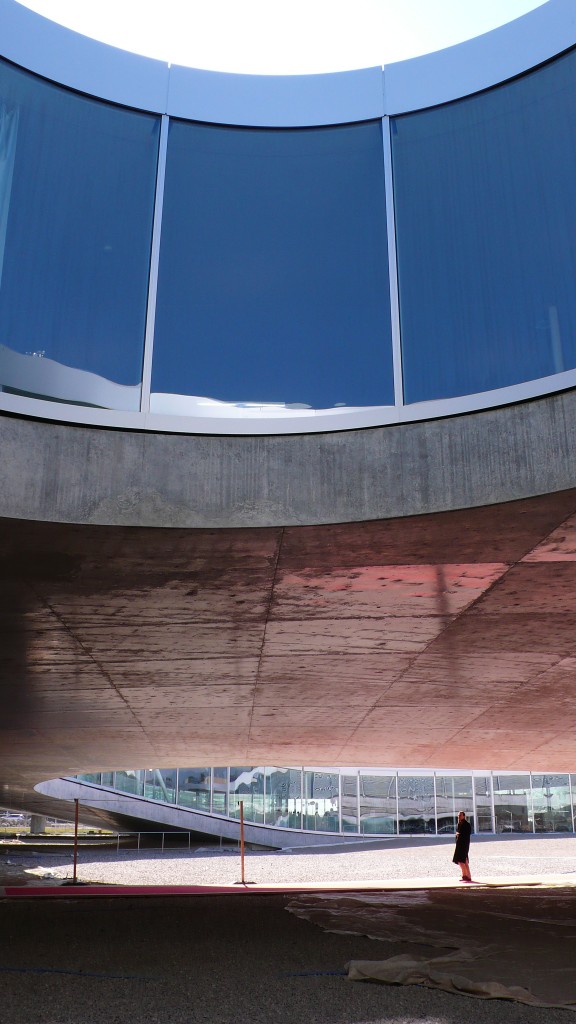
(493, 943)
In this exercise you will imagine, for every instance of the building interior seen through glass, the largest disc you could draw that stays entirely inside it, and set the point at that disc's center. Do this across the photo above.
(357, 801)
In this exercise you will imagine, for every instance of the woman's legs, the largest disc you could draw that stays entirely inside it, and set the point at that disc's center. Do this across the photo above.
(465, 869)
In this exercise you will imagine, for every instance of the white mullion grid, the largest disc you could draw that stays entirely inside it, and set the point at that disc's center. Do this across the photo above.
(493, 802)
(392, 264)
(154, 261)
(397, 805)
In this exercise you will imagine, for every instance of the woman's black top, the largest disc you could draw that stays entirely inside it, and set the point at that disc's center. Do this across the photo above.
(462, 842)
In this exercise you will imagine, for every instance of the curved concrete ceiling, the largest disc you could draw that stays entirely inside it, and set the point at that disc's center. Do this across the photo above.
(446, 640)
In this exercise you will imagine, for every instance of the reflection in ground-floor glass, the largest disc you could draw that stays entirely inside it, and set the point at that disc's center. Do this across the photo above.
(368, 802)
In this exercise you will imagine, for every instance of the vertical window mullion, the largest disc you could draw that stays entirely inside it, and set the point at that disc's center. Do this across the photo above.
(392, 264)
(154, 263)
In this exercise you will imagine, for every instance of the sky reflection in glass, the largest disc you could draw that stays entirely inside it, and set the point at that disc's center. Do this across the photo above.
(273, 279)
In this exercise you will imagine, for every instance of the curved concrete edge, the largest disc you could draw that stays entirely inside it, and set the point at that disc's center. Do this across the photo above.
(98, 69)
(61, 473)
(482, 62)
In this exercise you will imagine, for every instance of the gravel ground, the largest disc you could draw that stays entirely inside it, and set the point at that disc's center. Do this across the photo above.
(234, 959)
(490, 858)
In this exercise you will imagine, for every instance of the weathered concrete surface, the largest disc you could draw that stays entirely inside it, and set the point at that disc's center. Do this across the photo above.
(63, 473)
(446, 640)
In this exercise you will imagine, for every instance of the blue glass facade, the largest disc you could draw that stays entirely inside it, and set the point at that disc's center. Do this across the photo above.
(247, 269)
(486, 221)
(273, 280)
(77, 185)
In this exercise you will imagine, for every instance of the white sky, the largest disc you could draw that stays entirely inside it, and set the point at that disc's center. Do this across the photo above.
(282, 36)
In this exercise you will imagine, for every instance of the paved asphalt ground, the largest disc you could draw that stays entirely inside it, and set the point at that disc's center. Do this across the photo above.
(234, 959)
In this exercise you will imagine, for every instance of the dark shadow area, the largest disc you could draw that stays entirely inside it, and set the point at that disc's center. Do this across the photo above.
(221, 959)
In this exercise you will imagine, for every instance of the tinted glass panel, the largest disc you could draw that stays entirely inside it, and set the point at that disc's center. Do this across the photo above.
(284, 797)
(167, 778)
(453, 794)
(551, 803)
(416, 804)
(378, 812)
(483, 798)
(246, 785)
(219, 790)
(273, 267)
(160, 784)
(512, 803)
(485, 218)
(77, 181)
(129, 782)
(321, 792)
(194, 788)
(349, 803)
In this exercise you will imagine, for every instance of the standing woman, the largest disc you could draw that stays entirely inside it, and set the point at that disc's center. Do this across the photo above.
(462, 847)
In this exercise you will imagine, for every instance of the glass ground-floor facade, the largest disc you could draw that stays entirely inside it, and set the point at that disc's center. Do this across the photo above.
(360, 801)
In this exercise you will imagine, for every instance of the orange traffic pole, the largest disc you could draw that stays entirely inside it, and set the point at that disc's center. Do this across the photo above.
(74, 878)
(242, 878)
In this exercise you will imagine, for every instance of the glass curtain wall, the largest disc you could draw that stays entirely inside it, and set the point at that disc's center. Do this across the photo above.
(129, 782)
(160, 784)
(273, 276)
(551, 803)
(453, 794)
(246, 785)
(378, 807)
(416, 813)
(485, 222)
(483, 800)
(220, 791)
(368, 803)
(283, 800)
(321, 801)
(77, 187)
(349, 803)
(194, 788)
(513, 803)
(273, 285)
